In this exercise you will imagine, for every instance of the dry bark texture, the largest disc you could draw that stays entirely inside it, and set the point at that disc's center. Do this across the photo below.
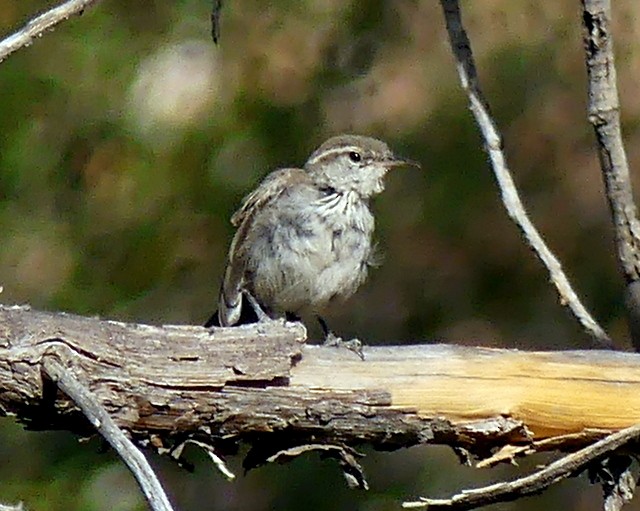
(263, 385)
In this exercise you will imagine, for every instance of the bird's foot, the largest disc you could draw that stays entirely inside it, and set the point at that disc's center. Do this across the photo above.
(354, 345)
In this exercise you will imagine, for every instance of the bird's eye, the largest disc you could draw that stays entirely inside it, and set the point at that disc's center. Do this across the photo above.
(355, 157)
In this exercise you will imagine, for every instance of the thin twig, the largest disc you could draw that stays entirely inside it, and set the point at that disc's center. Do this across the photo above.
(604, 115)
(215, 20)
(566, 466)
(36, 27)
(100, 419)
(461, 48)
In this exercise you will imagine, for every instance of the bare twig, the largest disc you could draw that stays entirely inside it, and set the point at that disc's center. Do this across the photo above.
(604, 115)
(36, 27)
(560, 469)
(215, 20)
(468, 76)
(100, 419)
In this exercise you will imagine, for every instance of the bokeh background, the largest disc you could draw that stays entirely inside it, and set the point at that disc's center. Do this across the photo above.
(127, 139)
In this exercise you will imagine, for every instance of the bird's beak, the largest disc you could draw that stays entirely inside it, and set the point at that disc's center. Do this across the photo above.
(397, 161)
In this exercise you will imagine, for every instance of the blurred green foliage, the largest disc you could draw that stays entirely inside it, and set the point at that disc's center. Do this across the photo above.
(127, 140)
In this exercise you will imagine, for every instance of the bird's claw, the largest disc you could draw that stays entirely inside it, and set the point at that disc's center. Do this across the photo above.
(354, 345)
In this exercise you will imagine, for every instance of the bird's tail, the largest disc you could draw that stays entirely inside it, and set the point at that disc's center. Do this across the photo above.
(247, 315)
(230, 298)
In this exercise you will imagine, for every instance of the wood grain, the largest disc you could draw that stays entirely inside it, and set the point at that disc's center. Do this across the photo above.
(262, 384)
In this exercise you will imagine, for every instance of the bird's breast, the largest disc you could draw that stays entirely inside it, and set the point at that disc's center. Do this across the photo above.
(311, 252)
(346, 211)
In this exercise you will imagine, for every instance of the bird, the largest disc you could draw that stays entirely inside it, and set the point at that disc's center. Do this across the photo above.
(304, 236)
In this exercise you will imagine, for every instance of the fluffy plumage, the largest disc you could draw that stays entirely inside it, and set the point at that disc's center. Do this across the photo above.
(304, 236)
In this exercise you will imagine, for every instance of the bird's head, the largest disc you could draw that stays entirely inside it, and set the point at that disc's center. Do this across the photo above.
(353, 163)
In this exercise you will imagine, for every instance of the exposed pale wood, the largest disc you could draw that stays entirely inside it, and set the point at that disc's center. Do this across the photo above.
(164, 385)
(553, 393)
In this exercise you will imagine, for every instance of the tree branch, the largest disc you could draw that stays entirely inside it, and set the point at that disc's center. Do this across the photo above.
(100, 419)
(461, 48)
(36, 27)
(260, 384)
(560, 469)
(604, 115)
(216, 11)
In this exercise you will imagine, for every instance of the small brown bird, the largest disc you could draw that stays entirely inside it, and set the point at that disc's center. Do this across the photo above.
(304, 236)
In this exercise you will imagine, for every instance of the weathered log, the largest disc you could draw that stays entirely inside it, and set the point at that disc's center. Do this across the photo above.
(262, 384)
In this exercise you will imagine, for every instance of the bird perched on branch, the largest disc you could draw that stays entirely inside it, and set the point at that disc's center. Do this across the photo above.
(304, 235)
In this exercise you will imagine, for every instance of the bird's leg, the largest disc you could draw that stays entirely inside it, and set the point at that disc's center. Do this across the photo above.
(257, 308)
(290, 316)
(331, 339)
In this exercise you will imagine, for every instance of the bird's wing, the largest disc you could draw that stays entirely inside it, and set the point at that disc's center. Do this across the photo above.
(271, 188)
(268, 191)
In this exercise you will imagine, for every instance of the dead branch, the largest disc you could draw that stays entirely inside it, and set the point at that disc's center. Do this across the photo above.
(260, 384)
(604, 115)
(164, 385)
(461, 48)
(216, 11)
(560, 469)
(37, 26)
(100, 419)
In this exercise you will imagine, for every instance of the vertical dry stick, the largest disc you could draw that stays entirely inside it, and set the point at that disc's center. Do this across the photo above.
(461, 48)
(40, 24)
(102, 421)
(604, 115)
(215, 20)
